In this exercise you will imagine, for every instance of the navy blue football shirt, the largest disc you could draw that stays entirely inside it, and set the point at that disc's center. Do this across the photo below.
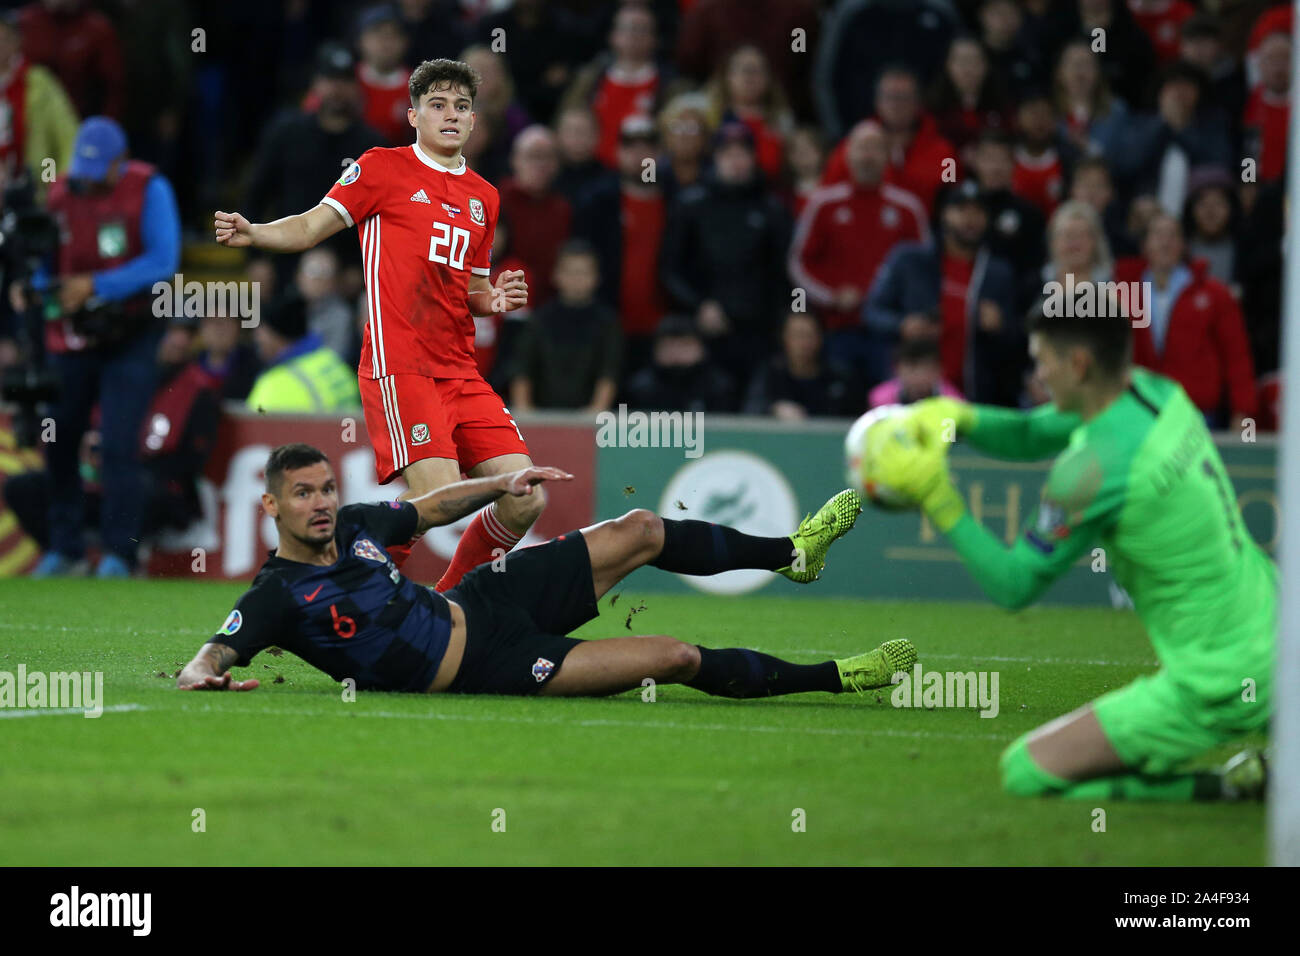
(358, 617)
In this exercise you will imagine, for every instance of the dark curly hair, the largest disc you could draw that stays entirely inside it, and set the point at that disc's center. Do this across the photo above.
(443, 74)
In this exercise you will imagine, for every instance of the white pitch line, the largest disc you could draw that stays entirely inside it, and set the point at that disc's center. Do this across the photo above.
(55, 711)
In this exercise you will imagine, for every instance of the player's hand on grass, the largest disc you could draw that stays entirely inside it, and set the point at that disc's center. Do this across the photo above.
(222, 682)
(520, 483)
(232, 229)
(510, 291)
(943, 419)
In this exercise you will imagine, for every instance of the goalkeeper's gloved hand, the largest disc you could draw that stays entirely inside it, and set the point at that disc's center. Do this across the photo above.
(915, 462)
(944, 418)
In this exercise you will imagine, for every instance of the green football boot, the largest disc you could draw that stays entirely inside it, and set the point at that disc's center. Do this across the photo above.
(876, 668)
(1245, 776)
(816, 532)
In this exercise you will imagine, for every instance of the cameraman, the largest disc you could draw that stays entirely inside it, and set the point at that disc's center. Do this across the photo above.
(119, 234)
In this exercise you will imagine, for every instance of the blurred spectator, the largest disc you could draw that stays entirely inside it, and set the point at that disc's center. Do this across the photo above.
(805, 155)
(121, 234)
(862, 40)
(1092, 184)
(743, 89)
(799, 382)
(80, 45)
(625, 223)
(625, 80)
(711, 29)
(576, 135)
(724, 251)
(302, 153)
(684, 128)
(845, 233)
(1016, 225)
(28, 496)
(497, 97)
(546, 42)
(434, 28)
(1259, 268)
(681, 376)
(328, 315)
(495, 335)
(1161, 149)
(382, 74)
(919, 375)
(539, 216)
(1039, 174)
(300, 373)
(232, 363)
(965, 98)
(1091, 118)
(1014, 63)
(1211, 222)
(916, 153)
(39, 121)
(1196, 335)
(1269, 106)
(487, 150)
(1203, 47)
(954, 290)
(569, 353)
(156, 54)
(1162, 21)
(1128, 54)
(1077, 245)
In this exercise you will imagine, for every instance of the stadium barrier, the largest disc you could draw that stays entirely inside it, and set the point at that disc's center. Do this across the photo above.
(758, 475)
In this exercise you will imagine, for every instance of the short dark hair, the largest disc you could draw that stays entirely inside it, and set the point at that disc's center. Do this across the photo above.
(443, 74)
(924, 349)
(578, 247)
(288, 458)
(1110, 340)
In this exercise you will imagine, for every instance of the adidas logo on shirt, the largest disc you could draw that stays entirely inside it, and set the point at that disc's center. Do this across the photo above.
(420, 197)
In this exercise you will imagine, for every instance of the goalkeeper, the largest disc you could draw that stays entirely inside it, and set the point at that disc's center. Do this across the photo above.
(1137, 472)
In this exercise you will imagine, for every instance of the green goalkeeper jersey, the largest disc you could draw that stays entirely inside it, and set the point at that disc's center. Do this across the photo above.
(1143, 481)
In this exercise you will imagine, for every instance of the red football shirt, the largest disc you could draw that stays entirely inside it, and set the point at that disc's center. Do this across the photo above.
(1266, 115)
(641, 303)
(617, 97)
(424, 229)
(953, 290)
(1039, 179)
(384, 102)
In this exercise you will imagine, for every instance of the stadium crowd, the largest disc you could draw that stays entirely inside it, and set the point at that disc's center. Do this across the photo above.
(778, 207)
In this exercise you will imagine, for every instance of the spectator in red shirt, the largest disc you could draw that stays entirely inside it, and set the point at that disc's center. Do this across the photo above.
(743, 89)
(624, 81)
(81, 46)
(1092, 119)
(1196, 335)
(845, 233)
(1269, 107)
(1161, 21)
(539, 216)
(624, 221)
(915, 149)
(381, 40)
(1040, 172)
(966, 98)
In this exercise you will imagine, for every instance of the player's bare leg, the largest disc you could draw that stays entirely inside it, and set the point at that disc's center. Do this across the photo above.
(425, 475)
(1074, 747)
(497, 528)
(616, 664)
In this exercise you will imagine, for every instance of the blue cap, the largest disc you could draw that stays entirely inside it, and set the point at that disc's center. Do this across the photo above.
(99, 141)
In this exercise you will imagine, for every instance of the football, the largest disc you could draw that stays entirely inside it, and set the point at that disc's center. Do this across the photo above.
(862, 446)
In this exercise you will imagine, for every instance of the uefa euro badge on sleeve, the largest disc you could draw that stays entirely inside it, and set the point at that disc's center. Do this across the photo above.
(112, 240)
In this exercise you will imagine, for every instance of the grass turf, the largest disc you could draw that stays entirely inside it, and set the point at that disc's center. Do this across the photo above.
(291, 774)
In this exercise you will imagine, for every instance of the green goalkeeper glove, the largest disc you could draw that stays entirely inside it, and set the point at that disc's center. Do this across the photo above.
(943, 419)
(915, 463)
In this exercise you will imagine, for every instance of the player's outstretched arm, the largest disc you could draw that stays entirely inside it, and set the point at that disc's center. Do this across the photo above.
(210, 670)
(290, 234)
(453, 502)
(1006, 433)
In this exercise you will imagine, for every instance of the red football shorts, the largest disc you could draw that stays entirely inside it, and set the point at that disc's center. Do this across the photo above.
(411, 417)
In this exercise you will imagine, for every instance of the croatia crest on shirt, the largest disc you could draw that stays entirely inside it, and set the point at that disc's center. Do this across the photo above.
(542, 669)
(365, 548)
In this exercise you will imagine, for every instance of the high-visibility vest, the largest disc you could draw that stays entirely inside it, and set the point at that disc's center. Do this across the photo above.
(317, 381)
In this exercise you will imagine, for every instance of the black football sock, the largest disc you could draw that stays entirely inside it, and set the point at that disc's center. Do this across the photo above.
(736, 672)
(702, 547)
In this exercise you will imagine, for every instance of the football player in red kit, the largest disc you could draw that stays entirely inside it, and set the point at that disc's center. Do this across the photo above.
(426, 229)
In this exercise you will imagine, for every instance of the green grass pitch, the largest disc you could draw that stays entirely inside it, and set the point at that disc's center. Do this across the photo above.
(291, 774)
